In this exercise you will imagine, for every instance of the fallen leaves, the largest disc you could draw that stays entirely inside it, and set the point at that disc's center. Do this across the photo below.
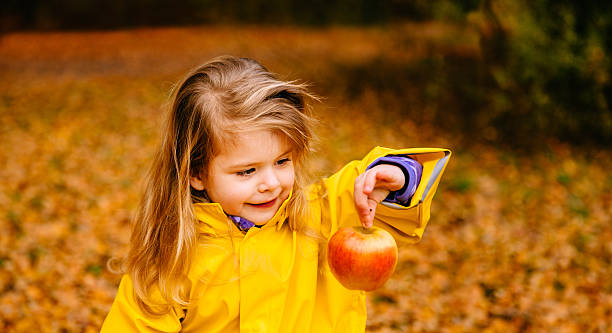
(517, 242)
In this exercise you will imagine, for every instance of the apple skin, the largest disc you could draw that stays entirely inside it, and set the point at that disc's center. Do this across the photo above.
(362, 258)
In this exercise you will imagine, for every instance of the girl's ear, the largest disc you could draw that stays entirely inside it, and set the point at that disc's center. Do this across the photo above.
(196, 182)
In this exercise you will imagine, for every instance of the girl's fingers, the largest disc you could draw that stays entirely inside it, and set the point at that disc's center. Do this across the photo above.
(388, 176)
(369, 218)
(370, 181)
(361, 199)
(372, 187)
(378, 195)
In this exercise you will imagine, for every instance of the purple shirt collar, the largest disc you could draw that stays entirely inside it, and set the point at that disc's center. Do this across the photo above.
(242, 223)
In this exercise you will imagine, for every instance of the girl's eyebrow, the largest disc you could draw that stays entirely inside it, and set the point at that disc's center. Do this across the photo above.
(241, 165)
(245, 165)
(285, 153)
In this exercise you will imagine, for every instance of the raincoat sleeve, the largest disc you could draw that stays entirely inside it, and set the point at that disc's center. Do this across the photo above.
(126, 316)
(406, 223)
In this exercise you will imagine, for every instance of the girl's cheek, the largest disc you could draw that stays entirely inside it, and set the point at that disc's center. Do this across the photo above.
(241, 186)
(290, 176)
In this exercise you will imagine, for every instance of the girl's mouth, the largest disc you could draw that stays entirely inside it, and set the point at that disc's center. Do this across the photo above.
(267, 204)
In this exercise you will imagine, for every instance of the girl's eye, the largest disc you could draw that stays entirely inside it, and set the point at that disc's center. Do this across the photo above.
(283, 161)
(245, 172)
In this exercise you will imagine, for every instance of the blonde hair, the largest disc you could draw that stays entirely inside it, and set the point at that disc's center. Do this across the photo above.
(217, 99)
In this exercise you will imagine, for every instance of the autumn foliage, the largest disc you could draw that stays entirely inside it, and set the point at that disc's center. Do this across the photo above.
(519, 240)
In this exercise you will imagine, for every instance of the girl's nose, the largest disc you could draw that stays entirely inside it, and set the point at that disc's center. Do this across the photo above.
(269, 181)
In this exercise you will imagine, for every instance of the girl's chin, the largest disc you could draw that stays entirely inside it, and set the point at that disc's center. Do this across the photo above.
(260, 218)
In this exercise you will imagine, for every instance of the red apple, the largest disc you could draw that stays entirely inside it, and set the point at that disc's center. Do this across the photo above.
(362, 258)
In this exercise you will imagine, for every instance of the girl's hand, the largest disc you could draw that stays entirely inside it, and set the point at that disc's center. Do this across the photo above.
(372, 187)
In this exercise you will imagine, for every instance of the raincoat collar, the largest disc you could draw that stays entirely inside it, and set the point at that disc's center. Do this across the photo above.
(214, 221)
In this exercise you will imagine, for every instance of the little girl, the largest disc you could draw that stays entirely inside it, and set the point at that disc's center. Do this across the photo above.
(228, 237)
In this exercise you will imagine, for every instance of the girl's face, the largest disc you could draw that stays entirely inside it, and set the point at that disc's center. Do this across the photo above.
(251, 177)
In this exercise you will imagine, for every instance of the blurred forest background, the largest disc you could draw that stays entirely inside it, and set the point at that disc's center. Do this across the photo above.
(519, 239)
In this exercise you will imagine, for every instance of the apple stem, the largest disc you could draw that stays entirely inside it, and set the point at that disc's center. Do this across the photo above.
(366, 230)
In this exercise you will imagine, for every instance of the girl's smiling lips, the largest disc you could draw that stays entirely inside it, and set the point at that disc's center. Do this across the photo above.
(267, 204)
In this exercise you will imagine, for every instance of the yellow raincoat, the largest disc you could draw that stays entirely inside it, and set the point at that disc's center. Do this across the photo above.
(273, 279)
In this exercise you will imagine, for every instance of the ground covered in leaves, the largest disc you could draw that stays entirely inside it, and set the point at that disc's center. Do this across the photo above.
(517, 242)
